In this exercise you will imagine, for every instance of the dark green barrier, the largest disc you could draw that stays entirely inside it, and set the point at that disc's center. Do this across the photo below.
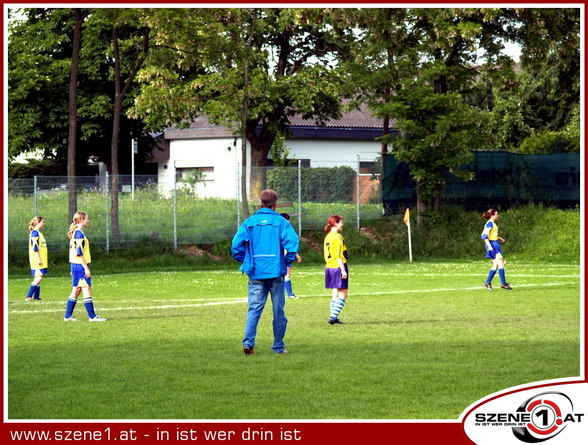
(500, 180)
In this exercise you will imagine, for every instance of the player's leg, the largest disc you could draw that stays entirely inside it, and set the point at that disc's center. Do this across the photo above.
(501, 272)
(258, 292)
(70, 305)
(279, 321)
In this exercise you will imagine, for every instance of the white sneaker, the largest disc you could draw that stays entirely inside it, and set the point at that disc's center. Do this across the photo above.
(292, 296)
(69, 319)
(97, 318)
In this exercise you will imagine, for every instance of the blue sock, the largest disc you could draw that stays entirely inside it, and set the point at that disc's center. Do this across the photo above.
(490, 275)
(37, 295)
(31, 291)
(89, 303)
(336, 306)
(288, 287)
(69, 307)
(502, 275)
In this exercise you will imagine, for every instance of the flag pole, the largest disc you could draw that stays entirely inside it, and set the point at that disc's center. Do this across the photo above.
(407, 222)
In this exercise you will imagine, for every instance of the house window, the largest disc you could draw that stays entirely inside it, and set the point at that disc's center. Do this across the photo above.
(185, 174)
(366, 167)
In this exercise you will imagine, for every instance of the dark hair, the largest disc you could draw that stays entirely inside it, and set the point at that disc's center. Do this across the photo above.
(490, 213)
(285, 216)
(333, 219)
(268, 198)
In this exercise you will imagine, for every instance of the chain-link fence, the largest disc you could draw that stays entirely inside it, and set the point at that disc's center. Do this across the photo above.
(125, 210)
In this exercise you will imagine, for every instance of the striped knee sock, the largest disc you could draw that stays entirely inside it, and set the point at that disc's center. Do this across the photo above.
(70, 306)
(89, 303)
(336, 306)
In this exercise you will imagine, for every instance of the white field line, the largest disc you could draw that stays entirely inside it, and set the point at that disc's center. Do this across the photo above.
(244, 300)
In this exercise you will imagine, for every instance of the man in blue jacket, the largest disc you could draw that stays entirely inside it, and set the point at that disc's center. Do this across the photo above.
(265, 243)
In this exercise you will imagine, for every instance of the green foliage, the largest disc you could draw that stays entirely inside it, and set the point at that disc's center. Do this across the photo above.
(549, 142)
(322, 184)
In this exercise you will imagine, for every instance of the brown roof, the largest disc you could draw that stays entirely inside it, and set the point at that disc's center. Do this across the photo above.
(361, 118)
(200, 126)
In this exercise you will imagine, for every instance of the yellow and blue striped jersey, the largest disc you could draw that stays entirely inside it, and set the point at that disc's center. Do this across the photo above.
(37, 244)
(334, 248)
(490, 231)
(79, 247)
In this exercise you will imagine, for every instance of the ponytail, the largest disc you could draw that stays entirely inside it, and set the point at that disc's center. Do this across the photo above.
(35, 222)
(489, 214)
(334, 219)
(79, 216)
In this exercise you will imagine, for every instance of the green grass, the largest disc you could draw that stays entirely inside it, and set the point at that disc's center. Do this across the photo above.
(421, 341)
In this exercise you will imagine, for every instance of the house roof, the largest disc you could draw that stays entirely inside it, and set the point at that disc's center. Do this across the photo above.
(354, 124)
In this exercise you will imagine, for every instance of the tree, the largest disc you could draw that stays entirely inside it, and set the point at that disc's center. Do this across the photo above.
(73, 113)
(288, 65)
(429, 60)
(40, 45)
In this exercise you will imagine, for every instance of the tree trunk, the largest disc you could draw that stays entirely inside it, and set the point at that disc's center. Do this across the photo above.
(260, 146)
(72, 192)
(115, 140)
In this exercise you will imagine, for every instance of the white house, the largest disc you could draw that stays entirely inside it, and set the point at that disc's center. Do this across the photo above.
(217, 153)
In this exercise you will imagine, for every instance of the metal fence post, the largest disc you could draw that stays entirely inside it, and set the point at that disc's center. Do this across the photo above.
(175, 213)
(238, 196)
(35, 204)
(107, 213)
(299, 198)
(358, 194)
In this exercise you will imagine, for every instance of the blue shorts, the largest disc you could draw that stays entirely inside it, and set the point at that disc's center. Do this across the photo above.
(36, 272)
(492, 253)
(78, 276)
(333, 279)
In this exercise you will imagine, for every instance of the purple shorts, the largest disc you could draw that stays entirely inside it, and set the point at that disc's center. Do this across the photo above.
(333, 278)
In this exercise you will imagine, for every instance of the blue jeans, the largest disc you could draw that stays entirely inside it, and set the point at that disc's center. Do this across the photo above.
(258, 292)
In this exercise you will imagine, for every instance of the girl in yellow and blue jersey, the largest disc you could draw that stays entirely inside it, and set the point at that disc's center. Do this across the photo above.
(336, 270)
(492, 242)
(37, 257)
(80, 258)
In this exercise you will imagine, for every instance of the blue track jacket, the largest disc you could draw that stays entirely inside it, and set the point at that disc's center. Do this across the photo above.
(255, 245)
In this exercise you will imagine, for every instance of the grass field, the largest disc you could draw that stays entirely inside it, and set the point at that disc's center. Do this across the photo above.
(421, 341)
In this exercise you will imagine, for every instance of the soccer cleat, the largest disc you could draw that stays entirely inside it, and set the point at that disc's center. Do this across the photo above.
(292, 296)
(506, 286)
(38, 299)
(283, 351)
(248, 350)
(69, 319)
(29, 299)
(97, 318)
(335, 321)
(488, 286)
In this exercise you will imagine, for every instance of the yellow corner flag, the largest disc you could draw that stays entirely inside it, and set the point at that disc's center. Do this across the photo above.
(407, 217)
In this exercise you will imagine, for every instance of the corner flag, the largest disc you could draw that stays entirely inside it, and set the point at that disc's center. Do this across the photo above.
(407, 222)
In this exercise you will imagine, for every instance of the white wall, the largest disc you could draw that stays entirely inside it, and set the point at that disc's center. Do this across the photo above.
(328, 153)
(192, 153)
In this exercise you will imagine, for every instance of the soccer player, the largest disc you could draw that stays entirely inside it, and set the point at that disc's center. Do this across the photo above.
(336, 270)
(265, 243)
(37, 257)
(492, 242)
(79, 257)
(287, 278)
